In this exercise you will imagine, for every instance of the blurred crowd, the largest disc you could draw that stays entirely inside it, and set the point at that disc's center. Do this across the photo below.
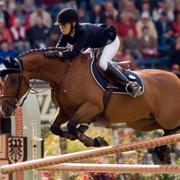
(149, 30)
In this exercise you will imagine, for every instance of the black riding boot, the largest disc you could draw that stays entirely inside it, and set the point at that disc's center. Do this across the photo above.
(132, 87)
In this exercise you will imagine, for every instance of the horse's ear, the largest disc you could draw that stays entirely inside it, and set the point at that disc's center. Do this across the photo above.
(3, 66)
(15, 63)
(11, 59)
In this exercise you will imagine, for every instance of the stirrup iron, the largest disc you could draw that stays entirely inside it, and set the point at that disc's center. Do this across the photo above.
(133, 89)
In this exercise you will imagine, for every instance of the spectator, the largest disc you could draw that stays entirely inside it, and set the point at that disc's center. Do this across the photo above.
(54, 11)
(177, 9)
(111, 21)
(5, 32)
(164, 30)
(146, 8)
(21, 14)
(129, 57)
(71, 4)
(176, 25)
(18, 33)
(134, 13)
(47, 3)
(83, 17)
(94, 2)
(28, 6)
(38, 34)
(39, 11)
(146, 21)
(54, 37)
(124, 25)
(97, 15)
(131, 45)
(148, 44)
(86, 4)
(6, 50)
(3, 13)
(163, 6)
(152, 4)
(174, 53)
(122, 5)
(110, 9)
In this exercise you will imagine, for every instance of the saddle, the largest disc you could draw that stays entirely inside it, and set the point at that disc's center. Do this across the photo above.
(107, 83)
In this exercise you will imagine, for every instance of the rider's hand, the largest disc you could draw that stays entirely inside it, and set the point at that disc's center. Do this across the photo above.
(53, 54)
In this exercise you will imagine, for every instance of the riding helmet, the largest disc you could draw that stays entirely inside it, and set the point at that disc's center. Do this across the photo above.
(67, 15)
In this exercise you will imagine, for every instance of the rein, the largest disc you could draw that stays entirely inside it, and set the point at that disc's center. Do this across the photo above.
(16, 97)
(34, 82)
(20, 77)
(20, 70)
(38, 74)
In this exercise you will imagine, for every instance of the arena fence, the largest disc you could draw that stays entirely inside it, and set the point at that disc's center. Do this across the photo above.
(48, 161)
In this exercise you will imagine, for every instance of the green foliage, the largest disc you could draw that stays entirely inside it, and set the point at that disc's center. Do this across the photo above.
(51, 145)
(178, 161)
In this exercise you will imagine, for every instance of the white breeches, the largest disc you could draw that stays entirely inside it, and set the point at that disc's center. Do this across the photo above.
(108, 53)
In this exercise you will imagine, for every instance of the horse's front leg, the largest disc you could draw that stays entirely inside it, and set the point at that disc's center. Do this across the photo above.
(84, 115)
(56, 128)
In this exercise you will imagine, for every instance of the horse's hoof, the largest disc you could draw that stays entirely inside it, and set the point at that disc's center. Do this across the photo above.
(163, 154)
(99, 142)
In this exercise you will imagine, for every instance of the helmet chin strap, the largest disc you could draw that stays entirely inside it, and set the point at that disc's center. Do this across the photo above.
(72, 28)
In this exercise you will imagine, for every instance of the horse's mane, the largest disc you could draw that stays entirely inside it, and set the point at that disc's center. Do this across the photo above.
(42, 49)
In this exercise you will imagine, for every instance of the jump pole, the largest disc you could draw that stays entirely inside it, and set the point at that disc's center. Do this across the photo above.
(115, 168)
(48, 161)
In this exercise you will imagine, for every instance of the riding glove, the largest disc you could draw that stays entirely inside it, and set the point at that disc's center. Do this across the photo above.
(53, 54)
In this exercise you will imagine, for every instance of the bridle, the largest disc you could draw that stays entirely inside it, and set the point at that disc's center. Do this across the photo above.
(17, 96)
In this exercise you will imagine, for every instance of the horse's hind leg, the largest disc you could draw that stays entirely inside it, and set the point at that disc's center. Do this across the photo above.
(163, 152)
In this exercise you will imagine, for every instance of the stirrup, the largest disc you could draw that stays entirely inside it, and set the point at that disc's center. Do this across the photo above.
(133, 89)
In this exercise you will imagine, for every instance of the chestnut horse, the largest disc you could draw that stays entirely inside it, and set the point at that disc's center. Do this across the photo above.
(80, 100)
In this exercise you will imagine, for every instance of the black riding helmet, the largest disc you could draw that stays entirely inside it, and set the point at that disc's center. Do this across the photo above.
(67, 15)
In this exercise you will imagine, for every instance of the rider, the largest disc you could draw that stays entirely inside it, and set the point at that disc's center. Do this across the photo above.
(85, 35)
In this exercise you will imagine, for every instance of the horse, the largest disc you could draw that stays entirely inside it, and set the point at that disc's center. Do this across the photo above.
(80, 100)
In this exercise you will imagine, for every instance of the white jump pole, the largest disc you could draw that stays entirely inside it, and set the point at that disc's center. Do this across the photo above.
(116, 168)
(33, 164)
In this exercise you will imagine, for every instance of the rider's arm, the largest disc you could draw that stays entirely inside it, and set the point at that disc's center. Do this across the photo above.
(80, 41)
(62, 42)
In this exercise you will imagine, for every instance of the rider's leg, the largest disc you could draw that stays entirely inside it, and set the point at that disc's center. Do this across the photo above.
(108, 53)
(114, 71)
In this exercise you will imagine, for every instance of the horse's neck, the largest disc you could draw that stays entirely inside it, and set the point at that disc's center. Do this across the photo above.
(33, 65)
(36, 66)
